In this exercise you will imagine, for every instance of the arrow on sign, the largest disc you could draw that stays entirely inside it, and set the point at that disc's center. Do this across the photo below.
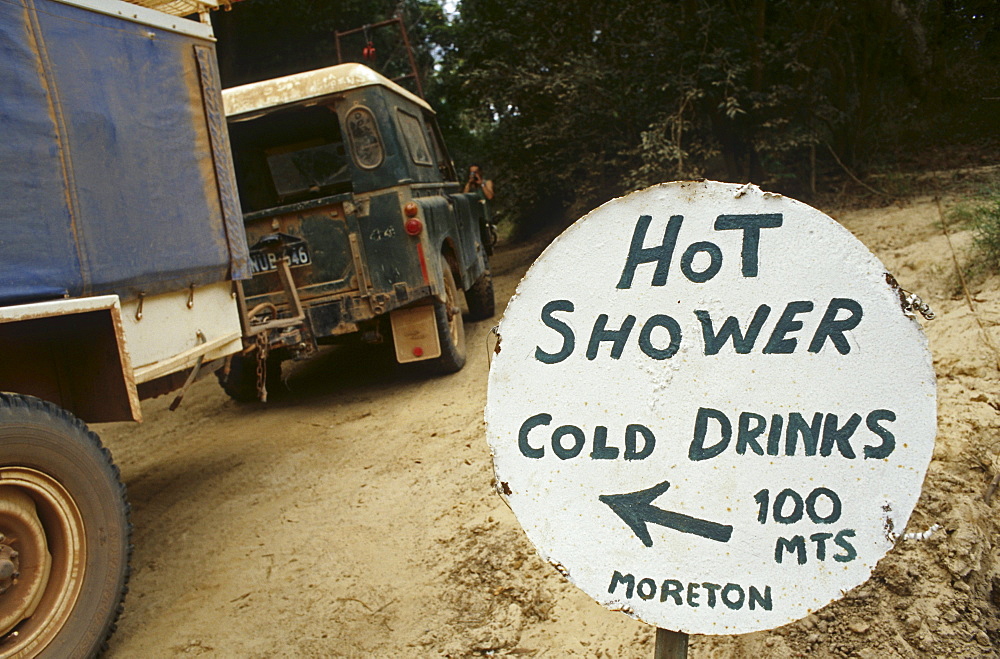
(636, 509)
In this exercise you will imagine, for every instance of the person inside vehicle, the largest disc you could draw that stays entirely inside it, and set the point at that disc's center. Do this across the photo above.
(477, 182)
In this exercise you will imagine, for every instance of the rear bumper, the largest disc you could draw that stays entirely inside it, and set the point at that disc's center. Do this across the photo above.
(344, 314)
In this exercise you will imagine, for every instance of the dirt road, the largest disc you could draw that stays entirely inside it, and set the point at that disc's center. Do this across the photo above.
(354, 516)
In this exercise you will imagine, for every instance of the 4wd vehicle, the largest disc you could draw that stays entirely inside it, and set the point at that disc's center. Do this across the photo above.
(356, 221)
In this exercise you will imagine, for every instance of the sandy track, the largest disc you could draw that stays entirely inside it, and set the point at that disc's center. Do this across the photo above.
(354, 515)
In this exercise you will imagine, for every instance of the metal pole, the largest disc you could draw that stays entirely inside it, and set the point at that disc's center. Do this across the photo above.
(670, 645)
(370, 26)
(409, 54)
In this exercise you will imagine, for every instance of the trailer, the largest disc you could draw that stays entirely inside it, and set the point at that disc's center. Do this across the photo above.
(121, 240)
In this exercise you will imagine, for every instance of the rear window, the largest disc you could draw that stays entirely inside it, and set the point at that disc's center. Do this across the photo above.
(310, 167)
(289, 156)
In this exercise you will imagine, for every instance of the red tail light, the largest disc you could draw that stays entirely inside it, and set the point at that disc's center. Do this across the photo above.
(413, 226)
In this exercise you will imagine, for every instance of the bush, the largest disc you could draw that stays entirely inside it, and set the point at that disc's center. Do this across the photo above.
(982, 215)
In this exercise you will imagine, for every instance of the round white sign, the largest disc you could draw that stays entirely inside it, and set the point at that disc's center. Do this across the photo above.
(709, 409)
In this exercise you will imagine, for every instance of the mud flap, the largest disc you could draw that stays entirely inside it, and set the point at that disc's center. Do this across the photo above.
(414, 334)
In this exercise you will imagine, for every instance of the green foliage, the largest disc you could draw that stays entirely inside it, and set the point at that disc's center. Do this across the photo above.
(982, 216)
(579, 102)
(567, 104)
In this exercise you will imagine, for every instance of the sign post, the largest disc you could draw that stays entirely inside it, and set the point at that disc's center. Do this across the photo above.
(670, 645)
(710, 410)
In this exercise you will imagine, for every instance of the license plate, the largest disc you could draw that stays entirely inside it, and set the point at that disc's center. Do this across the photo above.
(262, 261)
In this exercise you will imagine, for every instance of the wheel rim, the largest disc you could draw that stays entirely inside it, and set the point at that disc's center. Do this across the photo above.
(454, 310)
(43, 543)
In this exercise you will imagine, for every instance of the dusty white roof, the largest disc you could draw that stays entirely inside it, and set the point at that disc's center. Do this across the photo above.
(297, 87)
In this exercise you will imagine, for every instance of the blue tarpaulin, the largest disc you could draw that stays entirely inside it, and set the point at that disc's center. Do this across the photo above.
(115, 171)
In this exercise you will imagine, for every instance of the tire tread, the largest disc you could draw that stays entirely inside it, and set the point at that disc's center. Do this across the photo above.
(43, 409)
(480, 299)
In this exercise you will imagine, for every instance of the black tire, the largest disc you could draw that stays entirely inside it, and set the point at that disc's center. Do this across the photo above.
(450, 329)
(479, 298)
(51, 464)
(241, 380)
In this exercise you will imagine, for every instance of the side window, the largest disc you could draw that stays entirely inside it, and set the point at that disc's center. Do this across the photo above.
(366, 143)
(416, 141)
(441, 154)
